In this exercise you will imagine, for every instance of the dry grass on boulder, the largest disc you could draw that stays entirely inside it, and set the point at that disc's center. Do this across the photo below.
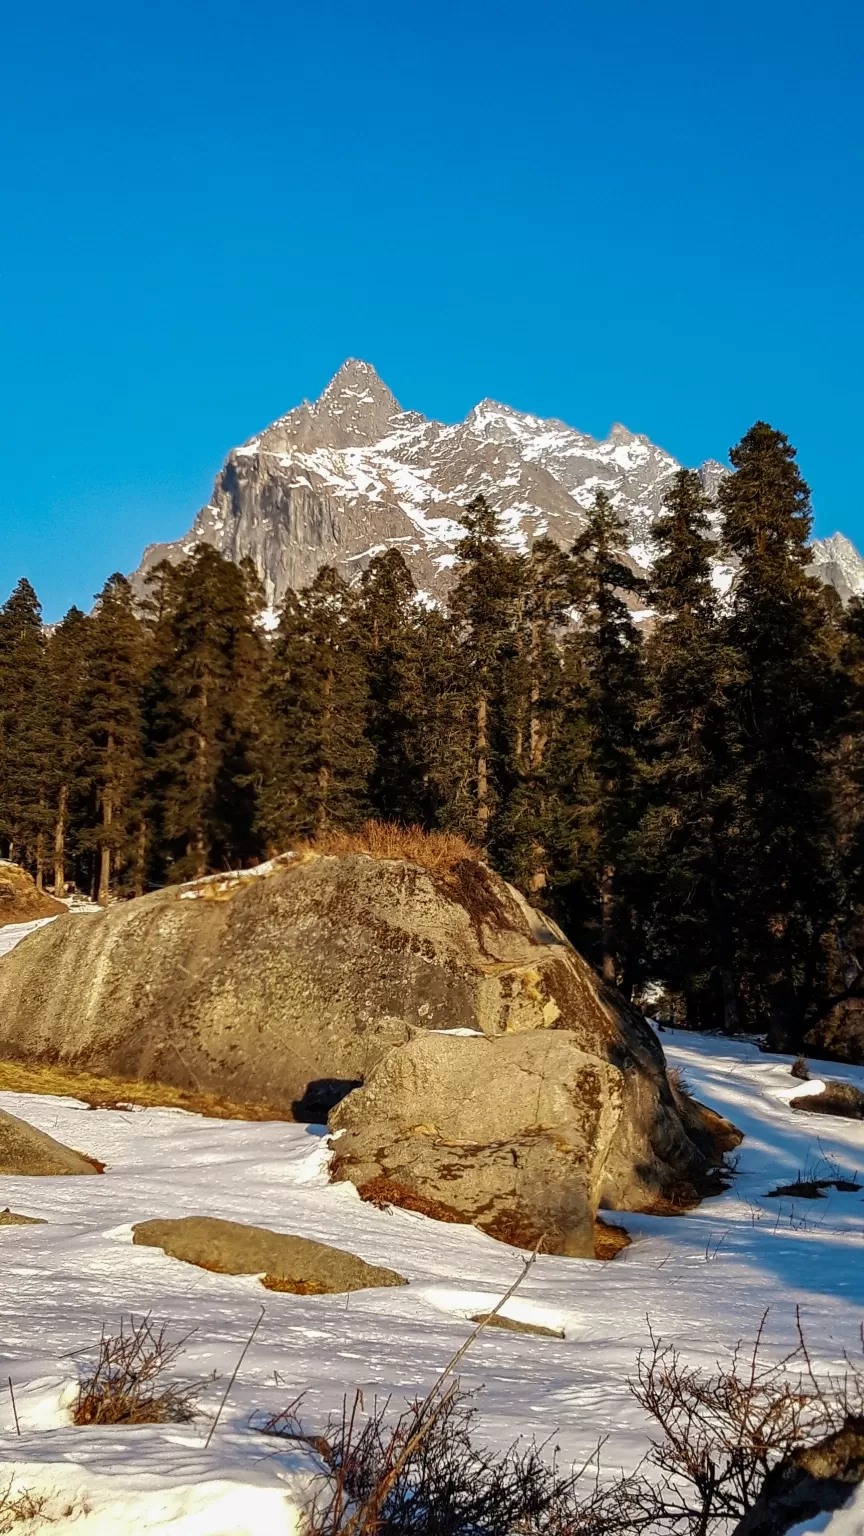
(435, 851)
(20, 901)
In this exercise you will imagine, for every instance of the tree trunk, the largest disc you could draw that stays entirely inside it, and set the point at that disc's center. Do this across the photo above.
(104, 884)
(140, 856)
(482, 748)
(60, 843)
(200, 838)
(607, 888)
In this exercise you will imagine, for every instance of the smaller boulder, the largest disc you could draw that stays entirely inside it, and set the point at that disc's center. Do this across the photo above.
(24, 1150)
(20, 899)
(512, 1325)
(13, 1219)
(510, 1134)
(836, 1098)
(286, 1263)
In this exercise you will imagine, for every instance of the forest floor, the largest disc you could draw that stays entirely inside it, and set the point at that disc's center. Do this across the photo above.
(701, 1281)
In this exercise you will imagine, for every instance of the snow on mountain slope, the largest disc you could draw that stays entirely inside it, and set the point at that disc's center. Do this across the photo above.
(352, 475)
(702, 1280)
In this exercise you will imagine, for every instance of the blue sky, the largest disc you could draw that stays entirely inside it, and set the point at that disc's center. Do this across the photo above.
(643, 212)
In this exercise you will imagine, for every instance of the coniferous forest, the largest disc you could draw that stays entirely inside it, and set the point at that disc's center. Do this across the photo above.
(687, 801)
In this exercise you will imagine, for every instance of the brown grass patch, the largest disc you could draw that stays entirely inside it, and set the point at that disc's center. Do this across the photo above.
(382, 1192)
(609, 1240)
(436, 851)
(123, 1093)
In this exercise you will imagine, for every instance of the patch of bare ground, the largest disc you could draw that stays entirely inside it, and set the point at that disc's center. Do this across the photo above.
(123, 1093)
(609, 1240)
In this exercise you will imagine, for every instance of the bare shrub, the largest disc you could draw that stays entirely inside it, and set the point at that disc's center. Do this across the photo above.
(722, 1432)
(422, 1474)
(435, 851)
(17, 1508)
(125, 1384)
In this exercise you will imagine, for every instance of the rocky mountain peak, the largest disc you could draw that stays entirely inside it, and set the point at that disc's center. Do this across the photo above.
(351, 474)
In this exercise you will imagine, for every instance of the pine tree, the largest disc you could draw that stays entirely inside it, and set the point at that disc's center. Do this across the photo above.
(22, 740)
(692, 784)
(606, 698)
(391, 631)
(204, 712)
(779, 863)
(64, 669)
(533, 703)
(110, 762)
(484, 609)
(319, 756)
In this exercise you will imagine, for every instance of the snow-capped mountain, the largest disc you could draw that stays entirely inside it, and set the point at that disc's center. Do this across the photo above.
(351, 475)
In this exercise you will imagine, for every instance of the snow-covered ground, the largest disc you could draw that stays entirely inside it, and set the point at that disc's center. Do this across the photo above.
(702, 1280)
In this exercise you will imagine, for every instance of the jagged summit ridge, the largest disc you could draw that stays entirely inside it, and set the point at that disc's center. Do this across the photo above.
(351, 474)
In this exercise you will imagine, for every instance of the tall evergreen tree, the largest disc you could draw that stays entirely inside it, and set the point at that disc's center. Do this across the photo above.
(65, 671)
(110, 761)
(533, 709)
(607, 689)
(319, 756)
(484, 608)
(22, 726)
(779, 856)
(391, 631)
(203, 711)
(692, 783)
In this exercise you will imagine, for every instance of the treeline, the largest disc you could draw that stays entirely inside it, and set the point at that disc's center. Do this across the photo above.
(686, 801)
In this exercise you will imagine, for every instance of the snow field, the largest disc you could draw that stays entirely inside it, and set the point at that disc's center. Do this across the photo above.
(702, 1281)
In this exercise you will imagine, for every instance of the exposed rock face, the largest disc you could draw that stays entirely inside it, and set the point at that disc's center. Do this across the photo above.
(24, 1150)
(353, 474)
(292, 985)
(287, 1263)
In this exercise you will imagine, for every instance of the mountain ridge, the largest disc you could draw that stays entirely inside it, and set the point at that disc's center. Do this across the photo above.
(351, 474)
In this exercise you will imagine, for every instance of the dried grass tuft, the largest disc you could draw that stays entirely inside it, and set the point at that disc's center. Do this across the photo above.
(101, 1092)
(125, 1383)
(438, 852)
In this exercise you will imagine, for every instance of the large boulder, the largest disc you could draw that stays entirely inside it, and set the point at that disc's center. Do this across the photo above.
(287, 1263)
(24, 1150)
(289, 985)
